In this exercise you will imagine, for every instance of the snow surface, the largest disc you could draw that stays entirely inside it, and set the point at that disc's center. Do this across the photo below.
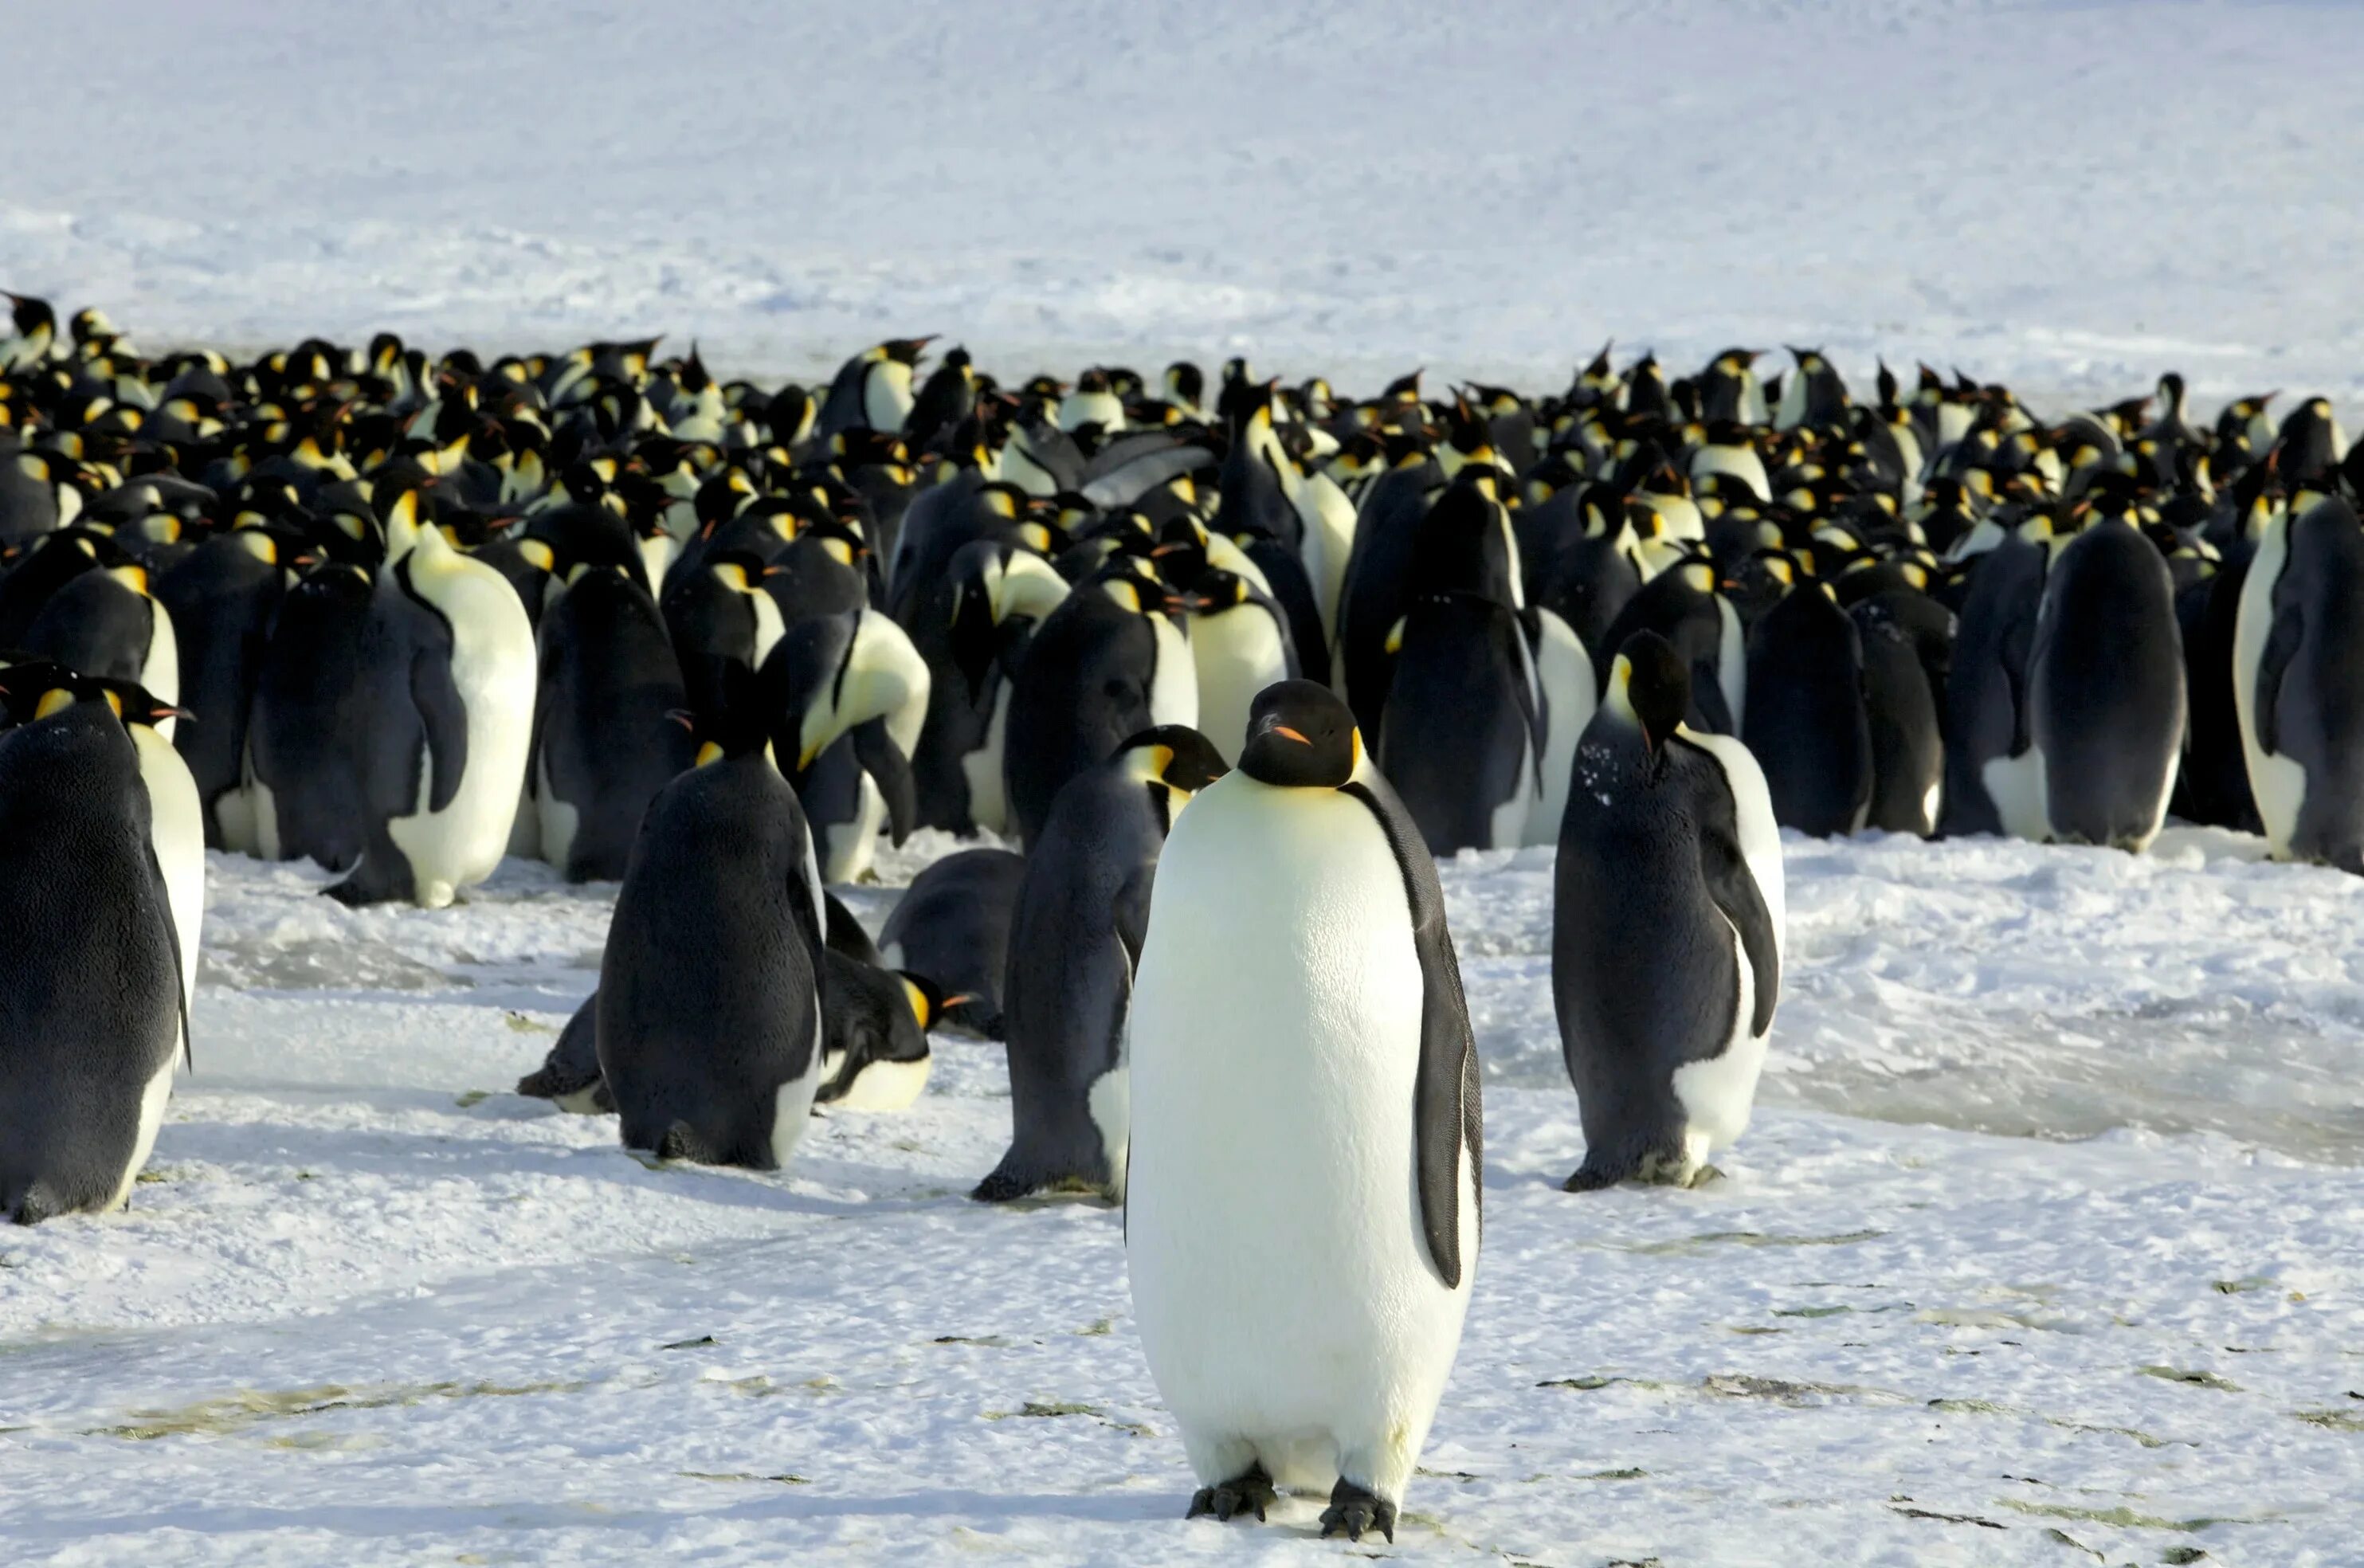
(2070, 195)
(370, 1307)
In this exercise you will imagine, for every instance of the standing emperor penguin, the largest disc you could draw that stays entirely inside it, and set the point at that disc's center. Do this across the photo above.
(448, 683)
(604, 739)
(855, 697)
(1301, 1256)
(1667, 906)
(91, 1006)
(2107, 703)
(2298, 684)
(1239, 645)
(106, 624)
(709, 1005)
(1075, 939)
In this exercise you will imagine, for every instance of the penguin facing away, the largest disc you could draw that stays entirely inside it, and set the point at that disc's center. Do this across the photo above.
(709, 1009)
(2106, 701)
(1666, 930)
(1297, 943)
(951, 927)
(90, 1002)
(1075, 939)
(1807, 724)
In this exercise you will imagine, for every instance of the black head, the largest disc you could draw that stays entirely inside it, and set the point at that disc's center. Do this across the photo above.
(37, 689)
(1651, 684)
(1300, 736)
(1176, 756)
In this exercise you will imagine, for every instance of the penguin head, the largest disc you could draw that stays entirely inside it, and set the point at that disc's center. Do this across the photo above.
(40, 689)
(1650, 687)
(1174, 756)
(1300, 736)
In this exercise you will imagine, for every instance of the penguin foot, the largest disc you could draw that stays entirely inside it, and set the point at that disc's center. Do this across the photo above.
(1592, 1178)
(1353, 1510)
(1706, 1175)
(1002, 1186)
(1250, 1491)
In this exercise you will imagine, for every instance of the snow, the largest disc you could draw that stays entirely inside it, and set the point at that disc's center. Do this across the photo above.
(370, 1307)
(2068, 195)
(2048, 1240)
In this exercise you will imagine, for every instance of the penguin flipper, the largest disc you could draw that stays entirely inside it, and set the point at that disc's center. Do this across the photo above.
(172, 939)
(445, 720)
(1733, 888)
(1447, 1111)
(891, 772)
(2281, 647)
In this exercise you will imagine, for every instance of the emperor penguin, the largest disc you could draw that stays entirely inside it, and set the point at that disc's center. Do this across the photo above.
(1301, 1256)
(1994, 770)
(223, 600)
(875, 1024)
(92, 1006)
(1239, 645)
(605, 738)
(950, 928)
(872, 390)
(709, 1005)
(2106, 703)
(308, 731)
(854, 694)
(1075, 939)
(449, 679)
(2298, 684)
(973, 628)
(1103, 666)
(1666, 930)
(1808, 725)
(1684, 604)
(107, 625)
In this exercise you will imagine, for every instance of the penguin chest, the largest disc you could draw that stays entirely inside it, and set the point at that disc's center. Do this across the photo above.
(1174, 683)
(492, 672)
(1237, 654)
(1278, 1274)
(988, 804)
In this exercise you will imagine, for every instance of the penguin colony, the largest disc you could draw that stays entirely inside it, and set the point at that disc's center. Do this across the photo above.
(1229, 662)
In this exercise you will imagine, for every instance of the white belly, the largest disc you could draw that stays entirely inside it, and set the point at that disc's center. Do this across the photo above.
(553, 820)
(885, 1086)
(1236, 654)
(792, 1109)
(2018, 788)
(493, 667)
(1174, 689)
(988, 804)
(852, 845)
(2277, 783)
(177, 830)
(1717, 1094)
(152, 1100)
(160, 672)
(1282, 1284)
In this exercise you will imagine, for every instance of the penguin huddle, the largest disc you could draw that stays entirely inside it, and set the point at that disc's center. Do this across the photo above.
(1169, 641)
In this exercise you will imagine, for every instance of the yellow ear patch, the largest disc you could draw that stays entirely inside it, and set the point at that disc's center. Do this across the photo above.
(56, 700)
(541, 555)
(113, 702)
(919, 1000)
(709, 753)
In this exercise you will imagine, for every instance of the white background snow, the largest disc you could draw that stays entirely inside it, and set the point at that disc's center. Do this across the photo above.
(2048, 1243)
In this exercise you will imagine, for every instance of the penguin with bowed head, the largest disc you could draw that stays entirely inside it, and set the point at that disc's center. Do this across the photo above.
(952, 927)
(92, 1006)
(1302, 1257)
(448, 677)
(1074, 940)
(1666, 930)
(2298, 682)
(709, 1014)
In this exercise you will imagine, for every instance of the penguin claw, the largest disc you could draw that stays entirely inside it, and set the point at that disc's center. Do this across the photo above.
(1249, 1492)
(1706, 1175)
(1353, 1510)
